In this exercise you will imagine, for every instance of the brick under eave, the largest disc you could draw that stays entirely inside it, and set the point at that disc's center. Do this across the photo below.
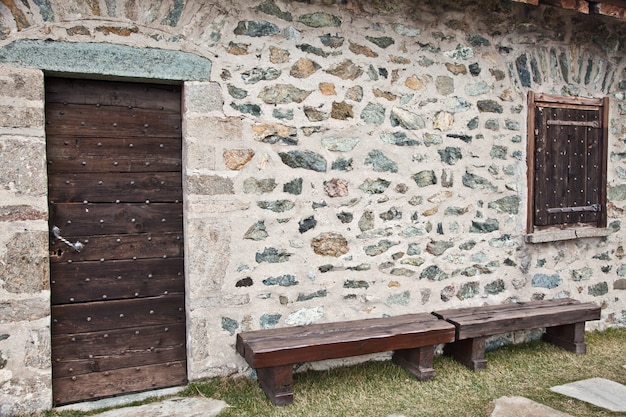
(612, 8)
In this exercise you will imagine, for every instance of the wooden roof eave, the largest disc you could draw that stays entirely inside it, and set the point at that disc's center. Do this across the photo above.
(611, 8)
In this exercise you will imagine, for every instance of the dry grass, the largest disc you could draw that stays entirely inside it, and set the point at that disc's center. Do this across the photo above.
(382, 388)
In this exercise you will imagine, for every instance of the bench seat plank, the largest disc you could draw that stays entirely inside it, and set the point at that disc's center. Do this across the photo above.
(351, 338)
(484, 321)
(273, 352)
(564, 321)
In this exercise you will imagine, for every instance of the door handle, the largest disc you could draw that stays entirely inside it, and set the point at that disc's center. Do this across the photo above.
(76, 246)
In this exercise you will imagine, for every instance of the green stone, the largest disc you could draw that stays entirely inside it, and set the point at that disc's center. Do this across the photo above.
(106, 59)
(277, 206)
(508, 204)
(492, 124)
(456, 211)
(174, 14)
(413, 261)
(414, 249)
(546, 281)
(283, 114)
(406, 119)
(468, 290)
(477, 40)
(617, 193)
(340, 144)
(286, 280)
(355, 284)
(504, 241)
(360, 267)
(488, 226)
(377, 186)
(425, 178)
(45, 10)
(400, 29)
(467, 245)
(399, 139)
(399, 299)
(450, 154)
(320, 19)
(495, 287)
(379, 248)
(413, 231)
(272, 255)
(373, 114)
(230, 325)
(489, 106)
(331, 41)
(433, 273)
(304, 159)
(342, 164)
(269, 7)
(236, 92)
(478, 182)
(316, 294)
(582, 274)
(269, 321)
(256, 29)
(252, 109)
(498, 152)
(257, 231)
(283, 94)
(382, 41)
(599, 289)
(293, 187)
(380, 163)
(438, 247)
(255, 75)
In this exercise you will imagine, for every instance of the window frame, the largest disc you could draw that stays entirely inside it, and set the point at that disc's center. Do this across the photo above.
(573, 230)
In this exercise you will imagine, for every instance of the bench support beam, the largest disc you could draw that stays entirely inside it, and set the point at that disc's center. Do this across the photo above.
(417, 361)
(277, 383)
(569, 336)
(469, 352)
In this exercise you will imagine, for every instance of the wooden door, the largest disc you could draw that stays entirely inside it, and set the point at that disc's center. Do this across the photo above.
(115, 185)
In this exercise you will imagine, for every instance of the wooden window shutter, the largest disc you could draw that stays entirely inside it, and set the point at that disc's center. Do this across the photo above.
(567, 162)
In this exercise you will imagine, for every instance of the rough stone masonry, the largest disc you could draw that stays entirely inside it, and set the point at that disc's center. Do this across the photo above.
(342, 160)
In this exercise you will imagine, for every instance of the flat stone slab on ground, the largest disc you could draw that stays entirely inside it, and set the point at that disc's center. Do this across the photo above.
(601, 392)
(172, 407)
(523, 407)
(120, 401)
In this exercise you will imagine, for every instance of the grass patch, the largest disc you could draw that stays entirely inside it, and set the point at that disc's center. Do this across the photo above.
(383, 388)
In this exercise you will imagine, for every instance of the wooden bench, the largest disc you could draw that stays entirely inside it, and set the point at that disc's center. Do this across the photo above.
(564, 320)
(273, 352)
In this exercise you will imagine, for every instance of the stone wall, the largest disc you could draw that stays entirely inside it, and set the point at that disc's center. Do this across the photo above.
(343, 160)
(25, 365)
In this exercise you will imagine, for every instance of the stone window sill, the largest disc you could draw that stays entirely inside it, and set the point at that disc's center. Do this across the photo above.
(567, 234)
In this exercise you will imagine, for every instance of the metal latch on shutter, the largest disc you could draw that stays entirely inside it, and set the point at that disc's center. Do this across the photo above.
(576, 209)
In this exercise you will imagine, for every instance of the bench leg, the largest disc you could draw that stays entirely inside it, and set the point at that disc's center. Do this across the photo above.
(277, 383)
(417, 361)
(469, 352)
(569, 336)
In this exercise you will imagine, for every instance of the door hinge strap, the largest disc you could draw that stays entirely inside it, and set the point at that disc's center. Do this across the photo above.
(576, 209)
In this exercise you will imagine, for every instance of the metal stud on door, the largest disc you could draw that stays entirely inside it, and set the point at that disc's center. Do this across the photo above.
(115, 189)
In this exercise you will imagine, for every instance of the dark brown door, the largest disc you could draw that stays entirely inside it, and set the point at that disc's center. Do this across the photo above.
(115, 186)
